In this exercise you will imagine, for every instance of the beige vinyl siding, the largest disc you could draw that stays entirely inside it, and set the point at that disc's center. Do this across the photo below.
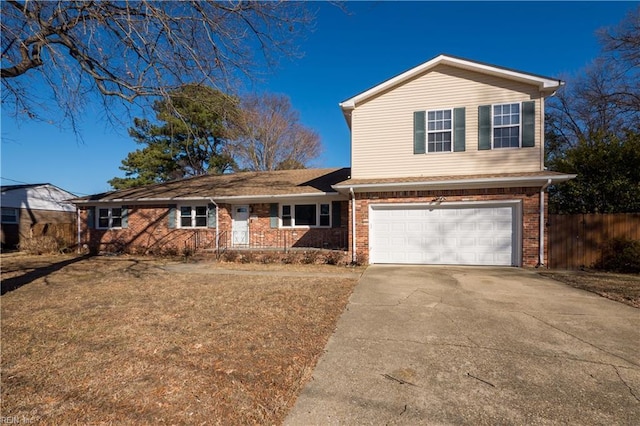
(382, 127)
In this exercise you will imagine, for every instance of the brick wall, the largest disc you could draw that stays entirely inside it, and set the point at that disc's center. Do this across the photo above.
(148, 232)
(530, 213)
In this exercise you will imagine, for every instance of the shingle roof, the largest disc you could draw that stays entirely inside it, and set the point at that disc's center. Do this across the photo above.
(4, 188)
(248, 184)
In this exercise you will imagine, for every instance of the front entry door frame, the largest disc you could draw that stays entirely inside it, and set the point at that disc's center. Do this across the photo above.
(240, 225)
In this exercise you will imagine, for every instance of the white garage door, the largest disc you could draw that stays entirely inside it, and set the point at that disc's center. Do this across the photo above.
(453, 235)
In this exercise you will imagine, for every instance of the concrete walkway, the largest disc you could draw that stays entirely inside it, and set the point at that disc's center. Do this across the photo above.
(466, 345)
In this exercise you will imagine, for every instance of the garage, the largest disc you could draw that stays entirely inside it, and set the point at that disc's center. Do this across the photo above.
(480, 233)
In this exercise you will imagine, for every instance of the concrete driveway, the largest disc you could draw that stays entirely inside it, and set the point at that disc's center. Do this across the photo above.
(466, 345)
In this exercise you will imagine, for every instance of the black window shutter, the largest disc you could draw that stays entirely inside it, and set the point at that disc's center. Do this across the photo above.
(91, 217)
(528, 124)
(273, 215)
(211, 216)
(419, 134)
(335, 214)
(172, 216)
(484, 127)
(459, 129)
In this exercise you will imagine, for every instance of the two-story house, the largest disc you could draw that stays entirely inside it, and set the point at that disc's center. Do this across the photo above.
(447, 167)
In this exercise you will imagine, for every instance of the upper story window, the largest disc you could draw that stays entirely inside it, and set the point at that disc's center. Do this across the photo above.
(511, 125)
(439, 130)
(193, 216)
(110, 217)
(506, 126)
(306, 215)
(9, 215)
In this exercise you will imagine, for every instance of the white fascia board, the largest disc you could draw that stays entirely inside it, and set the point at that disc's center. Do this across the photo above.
(459, 183)
(234, 198)
(544, 84)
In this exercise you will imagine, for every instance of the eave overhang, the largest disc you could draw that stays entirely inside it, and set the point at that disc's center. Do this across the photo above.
(224, 199)
(453, 183)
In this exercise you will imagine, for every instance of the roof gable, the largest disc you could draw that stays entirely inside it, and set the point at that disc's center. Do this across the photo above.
(544, 84)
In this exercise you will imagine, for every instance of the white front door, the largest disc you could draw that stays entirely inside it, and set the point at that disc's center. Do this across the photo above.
(240, 226)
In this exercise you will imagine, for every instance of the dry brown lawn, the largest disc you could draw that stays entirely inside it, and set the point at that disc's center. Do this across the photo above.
(623, 288)
(121, 340)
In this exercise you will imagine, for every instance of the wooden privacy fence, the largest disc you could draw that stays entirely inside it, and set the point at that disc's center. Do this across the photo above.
(576, 240)
(65, 233)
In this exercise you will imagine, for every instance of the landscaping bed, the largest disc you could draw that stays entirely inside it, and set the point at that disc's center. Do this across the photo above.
(121, 339)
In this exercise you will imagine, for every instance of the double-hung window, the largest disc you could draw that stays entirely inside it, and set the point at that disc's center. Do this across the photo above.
(439, 130)
(506, 126)
(193, 216)
(9, 215)
(110, 217)
(306, 215)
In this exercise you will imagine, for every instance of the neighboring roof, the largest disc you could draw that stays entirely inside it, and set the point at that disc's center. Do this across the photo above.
(302, 182)
(454, 182)
(37, 196)
(5, 188)
(546, 84)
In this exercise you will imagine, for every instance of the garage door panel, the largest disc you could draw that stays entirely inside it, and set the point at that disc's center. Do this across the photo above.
(451, 235)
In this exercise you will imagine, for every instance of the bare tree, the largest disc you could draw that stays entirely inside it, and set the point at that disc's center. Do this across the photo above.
(604, 98)
(621, 46)
(270, 136)
(135, 50)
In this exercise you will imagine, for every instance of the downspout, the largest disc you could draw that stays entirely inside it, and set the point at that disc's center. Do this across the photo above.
(353, 227)
(541, 243)
(217, 224)
(78, 228)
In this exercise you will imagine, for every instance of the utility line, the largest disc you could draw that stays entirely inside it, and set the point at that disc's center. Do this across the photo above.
(27, 183)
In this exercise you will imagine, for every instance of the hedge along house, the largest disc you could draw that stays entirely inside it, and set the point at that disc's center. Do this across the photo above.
(447, 166)
(266, 210)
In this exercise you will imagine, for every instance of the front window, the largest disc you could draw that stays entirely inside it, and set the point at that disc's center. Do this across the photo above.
(325, 218)
(308, 215)
(506, 126)
(305, 214)
(286, 216)
(9, 215)
(110, 218)
(193, 216)
(439, 130)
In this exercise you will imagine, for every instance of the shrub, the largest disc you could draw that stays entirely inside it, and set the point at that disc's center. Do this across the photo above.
(187, 252)
(271, 257)
(620, 255)
(248, 257)
(334, 258)
(310, 257)
(44, 244)
(230, 256)
(290, 258)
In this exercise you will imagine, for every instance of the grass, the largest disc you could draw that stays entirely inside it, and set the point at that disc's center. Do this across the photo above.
(624, 288)
(121, 340)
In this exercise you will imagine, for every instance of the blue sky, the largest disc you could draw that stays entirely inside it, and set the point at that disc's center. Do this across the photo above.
(345, 54)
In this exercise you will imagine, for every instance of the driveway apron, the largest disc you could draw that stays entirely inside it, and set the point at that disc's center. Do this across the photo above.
(472, 345)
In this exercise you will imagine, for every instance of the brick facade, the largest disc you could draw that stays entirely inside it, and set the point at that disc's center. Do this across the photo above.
(530, 198)
(148, 232)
